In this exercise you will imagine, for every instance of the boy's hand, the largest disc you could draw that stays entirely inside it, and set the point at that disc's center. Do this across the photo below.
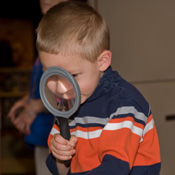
(61, 148)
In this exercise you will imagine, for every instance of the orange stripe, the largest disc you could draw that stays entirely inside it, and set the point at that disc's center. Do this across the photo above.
(86, 157)
(56, 127)
(124, 147)
(50, 136)
(149, 150)
(150, 118)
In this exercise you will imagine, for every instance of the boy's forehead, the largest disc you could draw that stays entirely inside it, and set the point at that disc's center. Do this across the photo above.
(69, 62)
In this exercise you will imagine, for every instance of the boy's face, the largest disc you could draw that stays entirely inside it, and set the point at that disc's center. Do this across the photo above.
(86, 73)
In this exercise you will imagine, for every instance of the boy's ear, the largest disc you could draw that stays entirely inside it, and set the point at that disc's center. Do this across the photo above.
(104, 60)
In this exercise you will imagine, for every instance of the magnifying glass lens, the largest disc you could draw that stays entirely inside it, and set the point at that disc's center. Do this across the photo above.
(60, 92)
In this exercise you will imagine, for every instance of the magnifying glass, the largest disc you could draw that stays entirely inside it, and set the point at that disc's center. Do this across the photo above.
(60, 94)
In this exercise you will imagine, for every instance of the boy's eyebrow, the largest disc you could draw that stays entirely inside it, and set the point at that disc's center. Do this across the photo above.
(73, 71)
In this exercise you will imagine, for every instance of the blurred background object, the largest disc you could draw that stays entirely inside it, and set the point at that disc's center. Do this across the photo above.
(17, 54)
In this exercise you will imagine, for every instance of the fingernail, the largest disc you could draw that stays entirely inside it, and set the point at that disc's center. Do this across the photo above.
(72, 144)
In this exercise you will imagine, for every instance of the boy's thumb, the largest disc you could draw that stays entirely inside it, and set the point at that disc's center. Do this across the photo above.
(73, 140)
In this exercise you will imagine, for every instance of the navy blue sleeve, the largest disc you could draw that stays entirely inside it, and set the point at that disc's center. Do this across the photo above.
(111, 165)
(51, 164)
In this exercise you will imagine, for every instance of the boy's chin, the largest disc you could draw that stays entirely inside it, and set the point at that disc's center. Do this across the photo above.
(83, 100)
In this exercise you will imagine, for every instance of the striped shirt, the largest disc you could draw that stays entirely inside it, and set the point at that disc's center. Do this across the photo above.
(115, 130)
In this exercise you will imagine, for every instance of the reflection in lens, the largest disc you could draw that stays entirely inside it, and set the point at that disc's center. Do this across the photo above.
(60, 93)
(64, 104)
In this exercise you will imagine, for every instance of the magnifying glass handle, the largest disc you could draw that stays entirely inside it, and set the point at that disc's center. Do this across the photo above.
(64, 132)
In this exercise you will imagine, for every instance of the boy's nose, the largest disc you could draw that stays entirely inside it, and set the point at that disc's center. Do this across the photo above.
(62, 87)
(65, 89)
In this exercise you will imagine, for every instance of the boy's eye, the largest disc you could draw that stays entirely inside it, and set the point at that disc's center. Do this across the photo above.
(74, 75)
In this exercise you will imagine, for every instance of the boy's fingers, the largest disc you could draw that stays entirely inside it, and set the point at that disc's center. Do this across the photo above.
(59, 139)
(63, 155)
(60, 146)
(73, 140)
(62, 158)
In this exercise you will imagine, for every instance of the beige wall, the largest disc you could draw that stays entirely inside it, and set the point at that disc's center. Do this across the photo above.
(143, 46)
(142, 33)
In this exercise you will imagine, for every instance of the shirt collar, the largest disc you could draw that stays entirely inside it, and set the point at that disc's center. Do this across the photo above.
(107, 82)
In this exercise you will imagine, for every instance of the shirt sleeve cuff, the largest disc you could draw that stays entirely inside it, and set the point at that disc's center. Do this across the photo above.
(51, 164)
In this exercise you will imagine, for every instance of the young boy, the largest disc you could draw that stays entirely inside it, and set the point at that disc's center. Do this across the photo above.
(113, 131)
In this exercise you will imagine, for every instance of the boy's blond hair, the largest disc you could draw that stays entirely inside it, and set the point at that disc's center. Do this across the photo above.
(73, 28)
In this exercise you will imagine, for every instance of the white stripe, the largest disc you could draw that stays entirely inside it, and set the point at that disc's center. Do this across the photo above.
(132, 110)
(81, 134)
(54, 131)
(148, 127)
(87, 135)
(125, 124)
(103, 121)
